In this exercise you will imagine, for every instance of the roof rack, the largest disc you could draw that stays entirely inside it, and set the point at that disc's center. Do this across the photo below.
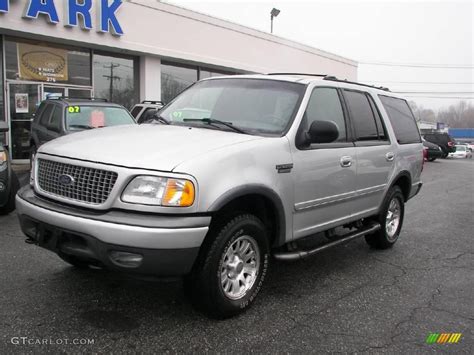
(154, 102)
(76, 98)
(333, 78)
(307, 74)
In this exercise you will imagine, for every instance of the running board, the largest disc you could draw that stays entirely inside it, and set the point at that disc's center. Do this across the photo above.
(301, 254)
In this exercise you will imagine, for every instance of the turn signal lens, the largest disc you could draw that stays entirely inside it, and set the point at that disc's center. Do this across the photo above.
(179, 193)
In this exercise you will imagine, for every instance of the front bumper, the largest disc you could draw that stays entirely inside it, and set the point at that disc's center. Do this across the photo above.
(168, 245)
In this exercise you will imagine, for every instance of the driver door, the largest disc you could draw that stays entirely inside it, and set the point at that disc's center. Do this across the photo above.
(324, 174)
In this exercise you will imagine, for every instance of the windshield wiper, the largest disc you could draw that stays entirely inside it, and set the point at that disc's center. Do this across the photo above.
(80, 126)
(212, 121)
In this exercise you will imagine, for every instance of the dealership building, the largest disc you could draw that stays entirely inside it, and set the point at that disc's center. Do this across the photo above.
(128, 51)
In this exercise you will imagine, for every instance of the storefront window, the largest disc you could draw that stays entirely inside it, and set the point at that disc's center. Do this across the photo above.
(40, 61)
(114, 79)
(2, 107)
(209, 73)
(174, 79)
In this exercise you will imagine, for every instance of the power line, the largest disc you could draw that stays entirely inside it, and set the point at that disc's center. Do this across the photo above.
(421, 82)
(441, 97)
(420, 65)
(436, 92)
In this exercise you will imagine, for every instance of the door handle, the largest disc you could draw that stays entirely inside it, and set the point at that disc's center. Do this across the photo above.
(346, 161)
(389, 156)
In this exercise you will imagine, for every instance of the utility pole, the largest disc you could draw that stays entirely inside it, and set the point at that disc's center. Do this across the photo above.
(111, 78)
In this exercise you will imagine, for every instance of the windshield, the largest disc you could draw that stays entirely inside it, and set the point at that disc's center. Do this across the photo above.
(460, 148)
(80, 117)
(256, 106)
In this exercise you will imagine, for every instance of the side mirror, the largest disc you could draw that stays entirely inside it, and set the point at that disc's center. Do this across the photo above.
(322, 132)
(3, 126)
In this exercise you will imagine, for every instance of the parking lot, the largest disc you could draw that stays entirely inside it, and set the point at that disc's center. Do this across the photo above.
(348, 299)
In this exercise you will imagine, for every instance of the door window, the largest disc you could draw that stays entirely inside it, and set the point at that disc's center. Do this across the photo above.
(362, 115)
(325, 105)
(55, 120)
(44, 120)
(402, 120)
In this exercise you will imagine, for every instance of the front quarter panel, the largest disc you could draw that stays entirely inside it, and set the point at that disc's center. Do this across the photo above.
(249, 164)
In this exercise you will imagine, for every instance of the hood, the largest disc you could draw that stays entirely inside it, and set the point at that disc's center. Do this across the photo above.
(148, 146)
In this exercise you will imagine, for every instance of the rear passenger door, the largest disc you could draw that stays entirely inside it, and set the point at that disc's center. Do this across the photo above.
(374, 151)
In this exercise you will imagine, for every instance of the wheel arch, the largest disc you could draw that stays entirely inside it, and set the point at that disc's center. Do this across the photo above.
(259, 200)
(402, 180)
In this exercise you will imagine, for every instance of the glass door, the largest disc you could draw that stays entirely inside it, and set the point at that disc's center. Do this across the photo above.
(22, 104)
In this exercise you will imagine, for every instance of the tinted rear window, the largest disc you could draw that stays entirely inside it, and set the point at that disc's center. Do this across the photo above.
(402, 120)
(80, 117)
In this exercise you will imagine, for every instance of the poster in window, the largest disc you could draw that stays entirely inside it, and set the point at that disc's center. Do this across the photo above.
(41, 63)
(21, 103)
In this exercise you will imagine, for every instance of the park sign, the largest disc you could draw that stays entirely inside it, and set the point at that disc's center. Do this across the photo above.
(76, 13)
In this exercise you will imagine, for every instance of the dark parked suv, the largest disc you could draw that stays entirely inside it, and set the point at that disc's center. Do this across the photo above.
(57, 117)
(444, 140)
(9, 183)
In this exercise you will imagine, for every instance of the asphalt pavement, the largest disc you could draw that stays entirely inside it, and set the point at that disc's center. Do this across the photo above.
(349, 299)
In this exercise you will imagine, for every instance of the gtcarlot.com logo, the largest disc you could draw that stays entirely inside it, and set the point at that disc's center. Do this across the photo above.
(50, 341)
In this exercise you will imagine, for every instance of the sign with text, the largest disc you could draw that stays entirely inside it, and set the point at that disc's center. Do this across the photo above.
(42, 63)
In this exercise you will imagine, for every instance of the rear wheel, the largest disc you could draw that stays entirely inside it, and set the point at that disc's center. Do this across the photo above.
(391, 220)
(230, 271)
(431, 159)
(14, 186)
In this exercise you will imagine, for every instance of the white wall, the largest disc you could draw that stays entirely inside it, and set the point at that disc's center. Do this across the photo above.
(172, 32)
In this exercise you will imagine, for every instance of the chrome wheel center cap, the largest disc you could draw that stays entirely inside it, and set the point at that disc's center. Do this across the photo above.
(235, 267)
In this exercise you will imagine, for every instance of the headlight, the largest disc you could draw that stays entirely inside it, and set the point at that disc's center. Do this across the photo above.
(159, 191)
(3, 157)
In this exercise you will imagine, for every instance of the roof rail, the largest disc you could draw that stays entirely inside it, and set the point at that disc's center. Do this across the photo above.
(76, 98)
(154, 102)
(333, 78)
(307, 74)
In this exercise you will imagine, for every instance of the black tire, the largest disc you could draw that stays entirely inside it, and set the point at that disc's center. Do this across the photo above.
(431, 159)
(382, 239)
(14, 187)
(72, 260)
(205, 287)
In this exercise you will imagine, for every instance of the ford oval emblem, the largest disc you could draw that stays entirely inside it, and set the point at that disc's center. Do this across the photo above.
(66, 180)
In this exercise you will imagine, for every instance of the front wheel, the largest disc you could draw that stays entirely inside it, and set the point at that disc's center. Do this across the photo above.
(230, 271)
(390, 219)
(10, 204)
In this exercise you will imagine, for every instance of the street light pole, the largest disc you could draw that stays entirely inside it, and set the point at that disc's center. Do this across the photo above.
(273, 13)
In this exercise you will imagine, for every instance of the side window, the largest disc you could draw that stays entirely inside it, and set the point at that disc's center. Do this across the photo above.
(136, 110)
(44, 120)
(362, 115)
(402, 120)
(325, 105)
(55, 120)
(39, 111)
(378, 120)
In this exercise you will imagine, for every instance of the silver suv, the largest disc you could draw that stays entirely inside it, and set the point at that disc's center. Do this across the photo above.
(235, 170)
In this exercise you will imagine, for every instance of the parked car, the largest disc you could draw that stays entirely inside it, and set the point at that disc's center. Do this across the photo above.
(433, 151)
(9, 183)
(468, 145)
(58, 116)
(145, 110)
(462, 151)
(237, 169)
(444, 140)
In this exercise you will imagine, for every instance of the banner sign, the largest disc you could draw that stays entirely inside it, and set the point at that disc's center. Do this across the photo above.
(41, 63)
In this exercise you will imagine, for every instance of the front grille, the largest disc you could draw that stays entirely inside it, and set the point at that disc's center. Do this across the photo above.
(89, 185)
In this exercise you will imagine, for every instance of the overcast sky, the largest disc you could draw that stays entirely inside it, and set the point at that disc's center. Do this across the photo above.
(434, 36)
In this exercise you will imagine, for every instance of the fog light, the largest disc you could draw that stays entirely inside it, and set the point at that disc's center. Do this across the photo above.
(125, 259)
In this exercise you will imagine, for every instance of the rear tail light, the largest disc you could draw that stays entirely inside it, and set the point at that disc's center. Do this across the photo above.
(424, 155)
